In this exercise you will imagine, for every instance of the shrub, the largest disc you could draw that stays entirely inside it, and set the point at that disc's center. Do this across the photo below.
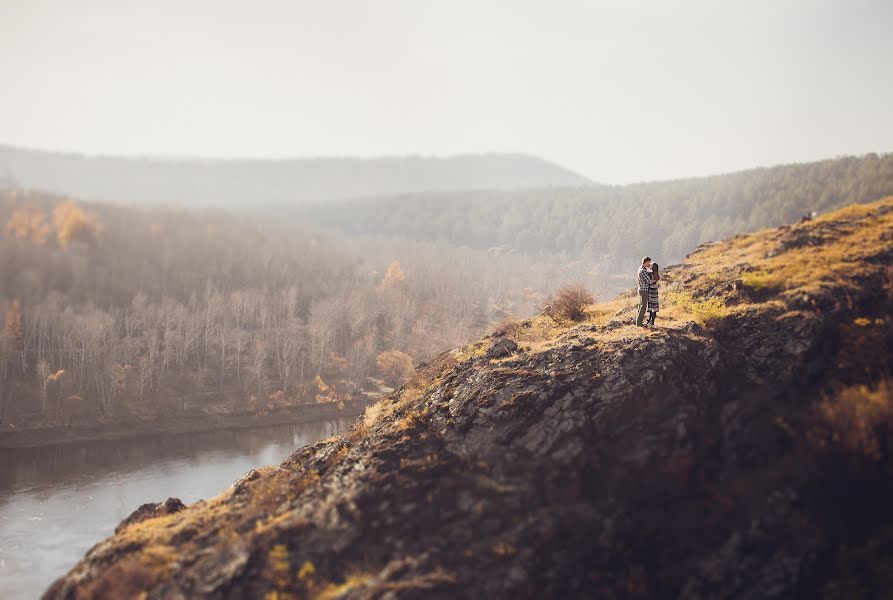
(705, 312)
(860, 418)
(394, 275)
(395, 366)
(569, 303)
(507, 327)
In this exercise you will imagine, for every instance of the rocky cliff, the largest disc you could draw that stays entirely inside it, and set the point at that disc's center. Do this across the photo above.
(741, 449)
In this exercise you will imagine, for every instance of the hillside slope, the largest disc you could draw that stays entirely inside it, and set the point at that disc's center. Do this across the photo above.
(740, 450)
(667, 218)
(246, 183)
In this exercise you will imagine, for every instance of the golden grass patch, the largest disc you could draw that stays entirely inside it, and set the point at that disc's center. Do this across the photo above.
(412, 418)
(473, 350)
(760, 280)
(705, 311)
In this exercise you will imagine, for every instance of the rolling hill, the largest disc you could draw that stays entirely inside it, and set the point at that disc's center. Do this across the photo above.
(617, 224)
(248, 183)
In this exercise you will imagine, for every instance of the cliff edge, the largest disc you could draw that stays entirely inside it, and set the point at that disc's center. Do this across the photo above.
(742, 449)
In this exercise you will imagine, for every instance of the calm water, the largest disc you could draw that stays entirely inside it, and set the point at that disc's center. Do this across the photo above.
(56, 502)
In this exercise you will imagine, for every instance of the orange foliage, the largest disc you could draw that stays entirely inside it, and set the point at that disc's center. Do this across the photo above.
(29, 224)
(326, 393)
(394, 275)
(337, 364)
(395, 366)
(73, 224)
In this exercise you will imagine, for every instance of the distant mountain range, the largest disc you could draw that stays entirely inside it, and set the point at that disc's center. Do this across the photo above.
(237, 182)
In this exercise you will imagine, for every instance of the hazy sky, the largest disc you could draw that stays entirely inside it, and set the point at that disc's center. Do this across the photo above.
(619, 90)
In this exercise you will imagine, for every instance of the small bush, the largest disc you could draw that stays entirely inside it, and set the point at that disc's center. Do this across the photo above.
(507, 327)
(705, 312)
(395, 367)
(860, 418)
(569, 303)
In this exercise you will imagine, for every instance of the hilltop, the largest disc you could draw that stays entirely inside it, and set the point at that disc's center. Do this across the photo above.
(244, 183)
(742, 449)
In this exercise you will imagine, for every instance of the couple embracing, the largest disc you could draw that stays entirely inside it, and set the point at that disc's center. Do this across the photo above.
(649, 275)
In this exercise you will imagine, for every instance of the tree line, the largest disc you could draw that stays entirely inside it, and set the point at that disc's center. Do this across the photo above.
(112, 311)
(613, 225)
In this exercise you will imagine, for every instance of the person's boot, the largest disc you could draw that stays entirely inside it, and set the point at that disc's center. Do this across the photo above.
(651, 320)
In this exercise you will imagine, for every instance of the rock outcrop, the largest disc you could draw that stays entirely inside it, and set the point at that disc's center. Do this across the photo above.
(150, 510)
(740, 450)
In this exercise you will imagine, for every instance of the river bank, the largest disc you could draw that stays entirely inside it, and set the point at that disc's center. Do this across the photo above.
(179, 424)
(57, 501)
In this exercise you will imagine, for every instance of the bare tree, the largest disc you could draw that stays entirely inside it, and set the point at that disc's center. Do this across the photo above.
(43, 372)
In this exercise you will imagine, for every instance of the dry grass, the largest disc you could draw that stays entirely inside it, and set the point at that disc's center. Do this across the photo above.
(473, 350)
(375, 586)
(760, 280)
(163, 540)
(854, 211)
(599, 314)
(509, 327)
(278, 567)
(860, 418)
(706, 312)
(424, 381)
(353, 582)
(368, 419)
(412, 419)
(834, 246)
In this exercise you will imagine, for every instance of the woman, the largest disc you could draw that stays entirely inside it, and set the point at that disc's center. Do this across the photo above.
(653, 296)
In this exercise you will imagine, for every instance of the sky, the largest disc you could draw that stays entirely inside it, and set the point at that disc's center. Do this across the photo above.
(617, 90)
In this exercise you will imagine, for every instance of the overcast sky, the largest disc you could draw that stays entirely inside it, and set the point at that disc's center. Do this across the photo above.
(619, 90)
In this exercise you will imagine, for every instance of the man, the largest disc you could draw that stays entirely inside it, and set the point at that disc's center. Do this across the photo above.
(644, 285)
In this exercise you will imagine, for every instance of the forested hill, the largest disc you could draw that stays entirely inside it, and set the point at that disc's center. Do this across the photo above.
(242, 183)
(666, 218)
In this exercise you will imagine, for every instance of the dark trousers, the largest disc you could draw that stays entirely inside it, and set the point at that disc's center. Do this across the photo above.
(643, 306)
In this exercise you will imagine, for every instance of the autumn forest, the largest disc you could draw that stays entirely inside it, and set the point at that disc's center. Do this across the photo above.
(116, 311)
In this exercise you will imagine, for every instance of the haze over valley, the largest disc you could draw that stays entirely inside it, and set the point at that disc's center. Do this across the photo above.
(411, 299)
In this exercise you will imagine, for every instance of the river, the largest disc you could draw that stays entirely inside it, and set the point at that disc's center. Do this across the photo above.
(57, 502)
